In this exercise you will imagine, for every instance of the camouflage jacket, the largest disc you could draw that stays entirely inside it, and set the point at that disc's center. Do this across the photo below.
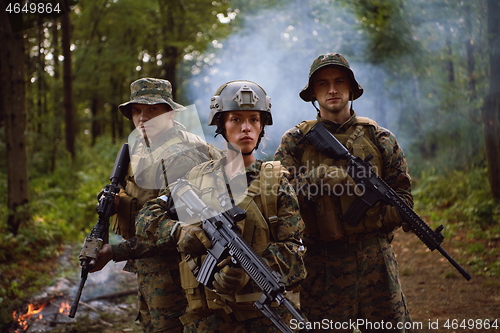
(154, 227)
(394, 167)
(180, 152)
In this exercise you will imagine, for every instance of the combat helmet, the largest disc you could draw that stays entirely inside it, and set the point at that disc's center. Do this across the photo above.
(240, 95)
(330, 59)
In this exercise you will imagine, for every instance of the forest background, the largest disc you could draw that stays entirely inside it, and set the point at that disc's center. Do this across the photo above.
(430, 70)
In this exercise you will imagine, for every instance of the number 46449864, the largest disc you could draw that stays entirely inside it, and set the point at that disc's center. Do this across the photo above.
(32, 8)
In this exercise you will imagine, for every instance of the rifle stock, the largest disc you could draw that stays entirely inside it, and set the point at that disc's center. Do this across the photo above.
(375, 189)
(226, 240)
(99, 234)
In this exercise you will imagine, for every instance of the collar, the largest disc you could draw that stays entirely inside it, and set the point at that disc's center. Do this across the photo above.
(337, 127)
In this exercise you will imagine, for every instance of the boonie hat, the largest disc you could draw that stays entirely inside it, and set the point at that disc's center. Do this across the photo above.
(330, 59)
(149, 91)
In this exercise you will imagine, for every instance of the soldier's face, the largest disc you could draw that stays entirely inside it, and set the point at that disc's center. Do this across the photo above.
(152, 119)
(243, 128)
(331, 88)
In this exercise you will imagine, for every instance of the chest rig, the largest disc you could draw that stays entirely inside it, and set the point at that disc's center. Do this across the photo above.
(156, 167)
(324, 216)
(258, 229)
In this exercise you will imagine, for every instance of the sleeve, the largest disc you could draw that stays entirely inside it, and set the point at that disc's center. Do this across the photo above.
(285, 254)
(153, 228)
(395, 168)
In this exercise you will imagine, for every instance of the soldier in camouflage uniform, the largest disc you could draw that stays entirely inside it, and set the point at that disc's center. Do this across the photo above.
(163, 152)
(352, 271)
(240, 110)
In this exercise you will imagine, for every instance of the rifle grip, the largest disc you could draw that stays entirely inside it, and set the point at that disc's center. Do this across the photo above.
(207, 270)
(356, 211)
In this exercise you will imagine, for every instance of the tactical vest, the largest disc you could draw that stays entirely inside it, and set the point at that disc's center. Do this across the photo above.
(134, 196)
(324, 217)
(258, 228)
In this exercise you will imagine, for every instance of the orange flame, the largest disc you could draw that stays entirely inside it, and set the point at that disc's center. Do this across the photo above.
(33, 309)
(65, 307)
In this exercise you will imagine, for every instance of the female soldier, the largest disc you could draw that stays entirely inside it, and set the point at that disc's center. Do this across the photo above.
(273, 225)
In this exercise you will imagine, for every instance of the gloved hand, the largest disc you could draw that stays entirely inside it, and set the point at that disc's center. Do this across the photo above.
(191, 239)
(331, 176)
(391, 218)
(230, 280)
(105, 255)
(336, 175)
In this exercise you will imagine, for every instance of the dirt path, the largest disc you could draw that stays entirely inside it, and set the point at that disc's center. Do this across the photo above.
(436, 293)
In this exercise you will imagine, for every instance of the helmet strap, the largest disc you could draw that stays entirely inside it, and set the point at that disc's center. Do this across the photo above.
(314, 104)
(231, 147)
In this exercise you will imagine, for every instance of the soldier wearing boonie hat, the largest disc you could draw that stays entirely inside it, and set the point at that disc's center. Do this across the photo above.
(352, 271)
(331, 59)
(161, 299)
(149, 91)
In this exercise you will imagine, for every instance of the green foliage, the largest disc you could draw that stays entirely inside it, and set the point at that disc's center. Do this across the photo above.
(462, 202)
(461, 197)
(63, 209)
(387, 28)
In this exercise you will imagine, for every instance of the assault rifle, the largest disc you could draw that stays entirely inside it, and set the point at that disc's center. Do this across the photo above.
(375, 189)
(226, 240)
(99, 234)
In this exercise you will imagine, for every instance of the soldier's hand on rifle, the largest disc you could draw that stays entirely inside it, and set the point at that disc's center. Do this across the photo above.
(116, 204)
(191, 239)
(229, 280)
(105, 255)
(331, 176)
(392, 219)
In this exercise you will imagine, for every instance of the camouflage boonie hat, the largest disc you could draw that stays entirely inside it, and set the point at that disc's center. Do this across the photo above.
(330, 59)
(149, 91)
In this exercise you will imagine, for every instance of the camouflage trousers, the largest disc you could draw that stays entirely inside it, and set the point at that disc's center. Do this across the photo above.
(161, 301)
(221, 323)
(346, 286)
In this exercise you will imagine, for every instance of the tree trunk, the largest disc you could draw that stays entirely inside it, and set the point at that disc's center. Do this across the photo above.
(449, 62)
(171, 53)
(469, 47)
(169, 69)
(380, 107)
(69, 116)
(97, 121)
(56, 114)
(13, 107)
(491, 106)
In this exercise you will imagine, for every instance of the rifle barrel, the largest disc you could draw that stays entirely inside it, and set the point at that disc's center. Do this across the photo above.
(74, 307)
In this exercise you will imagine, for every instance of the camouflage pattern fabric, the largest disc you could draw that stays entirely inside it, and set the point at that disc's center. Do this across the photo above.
(178, 159)
(161, 302)
(220, 323)
(154, 226)
(158, 305)
(395, 169)
(354, 284)
(149, 91)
